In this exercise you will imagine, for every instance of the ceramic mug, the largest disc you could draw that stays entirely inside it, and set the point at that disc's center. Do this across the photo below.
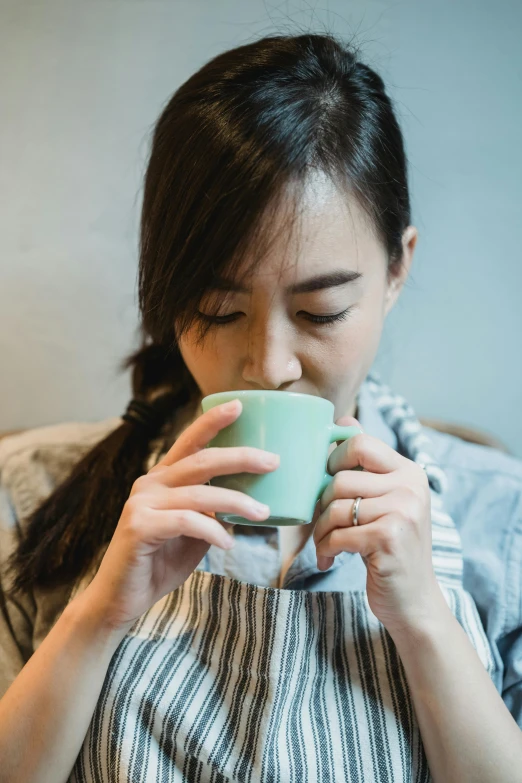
(298, 427)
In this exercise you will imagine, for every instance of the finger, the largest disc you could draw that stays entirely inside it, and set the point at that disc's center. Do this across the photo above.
(166, 524)
(347, 421)
(350, 484)
(364, 540)
(201, 432)
(209, 500)
(340, 514)
(364, 450)
(206, 464)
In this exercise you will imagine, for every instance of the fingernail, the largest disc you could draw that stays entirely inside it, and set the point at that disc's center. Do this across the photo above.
(229, 542)
(231, 405)
(270, 460)
(260, 509)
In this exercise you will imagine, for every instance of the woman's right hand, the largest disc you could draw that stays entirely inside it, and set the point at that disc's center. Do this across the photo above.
(167, 524)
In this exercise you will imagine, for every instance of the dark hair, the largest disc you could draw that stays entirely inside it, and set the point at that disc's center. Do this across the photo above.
(249, 124)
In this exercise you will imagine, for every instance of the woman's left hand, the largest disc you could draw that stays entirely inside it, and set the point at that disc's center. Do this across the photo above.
(393, 535)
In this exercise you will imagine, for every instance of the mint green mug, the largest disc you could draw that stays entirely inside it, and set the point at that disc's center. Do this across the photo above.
(298, 427)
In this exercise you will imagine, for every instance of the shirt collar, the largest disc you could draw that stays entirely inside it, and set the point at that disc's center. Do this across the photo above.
(371, 419)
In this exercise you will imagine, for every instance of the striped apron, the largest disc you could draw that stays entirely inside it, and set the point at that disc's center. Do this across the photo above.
(223, 680)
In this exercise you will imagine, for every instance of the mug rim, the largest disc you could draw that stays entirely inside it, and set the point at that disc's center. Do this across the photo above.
(268, 393)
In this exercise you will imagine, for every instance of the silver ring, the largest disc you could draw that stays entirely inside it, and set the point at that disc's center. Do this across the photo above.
(355, 511)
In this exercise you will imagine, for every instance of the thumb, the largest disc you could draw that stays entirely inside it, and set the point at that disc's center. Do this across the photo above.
(348, 421)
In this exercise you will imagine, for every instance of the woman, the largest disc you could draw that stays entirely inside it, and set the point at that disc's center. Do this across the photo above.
(369, 645)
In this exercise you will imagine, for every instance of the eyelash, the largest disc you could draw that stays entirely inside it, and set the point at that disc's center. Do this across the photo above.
(323, 320)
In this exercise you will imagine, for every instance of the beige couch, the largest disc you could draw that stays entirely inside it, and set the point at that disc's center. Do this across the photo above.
(465, 433)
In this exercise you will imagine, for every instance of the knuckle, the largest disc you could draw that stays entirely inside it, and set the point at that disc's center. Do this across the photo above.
(133, 518)
(249, 455)
(336, 485)
(133, 506)
(335, 508)
(381, 562)
(140, 484)
(334, 538)
(408, 492)
(408, 504)
(358, 444)
(201, 458)
(244, 457)
(414, 492)
(198, 494)
(416, 509)
(242, 504)
(392, 535)
(161, 468)
(183, 521)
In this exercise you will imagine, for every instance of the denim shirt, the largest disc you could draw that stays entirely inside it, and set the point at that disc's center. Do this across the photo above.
(484, 498)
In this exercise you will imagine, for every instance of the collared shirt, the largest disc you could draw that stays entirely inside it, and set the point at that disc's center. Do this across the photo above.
(484, 498)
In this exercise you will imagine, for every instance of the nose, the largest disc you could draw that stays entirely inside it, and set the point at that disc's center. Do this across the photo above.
(271, 359)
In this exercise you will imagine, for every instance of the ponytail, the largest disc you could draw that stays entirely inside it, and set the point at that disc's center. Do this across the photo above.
(66, 532)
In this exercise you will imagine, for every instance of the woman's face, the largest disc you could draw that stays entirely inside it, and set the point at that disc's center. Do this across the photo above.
(332, 265)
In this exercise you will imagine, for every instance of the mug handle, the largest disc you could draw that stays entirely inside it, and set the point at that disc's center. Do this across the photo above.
(338, 433)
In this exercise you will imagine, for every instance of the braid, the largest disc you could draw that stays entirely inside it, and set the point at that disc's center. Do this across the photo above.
(65, 533)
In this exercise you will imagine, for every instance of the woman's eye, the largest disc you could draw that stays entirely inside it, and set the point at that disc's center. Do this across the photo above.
(328, 319)
(219, 319)
(316, 319)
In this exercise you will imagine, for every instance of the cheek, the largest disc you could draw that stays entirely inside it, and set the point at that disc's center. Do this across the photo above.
(209, 364)
(357, 336)
(198, 359)
(351, 349)
(370, 330)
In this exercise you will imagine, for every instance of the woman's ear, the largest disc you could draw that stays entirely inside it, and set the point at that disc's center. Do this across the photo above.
(397, 277)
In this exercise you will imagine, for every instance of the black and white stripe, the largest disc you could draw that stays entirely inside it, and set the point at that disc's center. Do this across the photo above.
(258, 684)
(223, 680)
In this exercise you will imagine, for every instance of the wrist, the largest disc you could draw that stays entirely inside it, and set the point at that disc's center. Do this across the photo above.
(430, 623)
(90, 621)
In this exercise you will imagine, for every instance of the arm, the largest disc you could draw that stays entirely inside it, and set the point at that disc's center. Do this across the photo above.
(166, 527)
(54, 696)
(468, 733)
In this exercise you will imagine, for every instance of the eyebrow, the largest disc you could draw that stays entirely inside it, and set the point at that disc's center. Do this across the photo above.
(328, 280)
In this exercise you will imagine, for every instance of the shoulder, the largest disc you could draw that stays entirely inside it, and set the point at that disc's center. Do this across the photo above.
(457, 454)
(484, 484)
(33, 462)
(477, 476)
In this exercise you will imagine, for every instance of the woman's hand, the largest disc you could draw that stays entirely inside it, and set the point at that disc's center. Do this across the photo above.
(168, 523)
(393, 535)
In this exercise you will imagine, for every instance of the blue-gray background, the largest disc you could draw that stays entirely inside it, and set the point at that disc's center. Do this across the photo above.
(82, 82)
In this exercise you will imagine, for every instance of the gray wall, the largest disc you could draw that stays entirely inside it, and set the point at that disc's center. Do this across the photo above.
(82, 82)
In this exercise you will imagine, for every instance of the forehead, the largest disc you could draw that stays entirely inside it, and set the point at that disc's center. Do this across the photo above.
(320, 230)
